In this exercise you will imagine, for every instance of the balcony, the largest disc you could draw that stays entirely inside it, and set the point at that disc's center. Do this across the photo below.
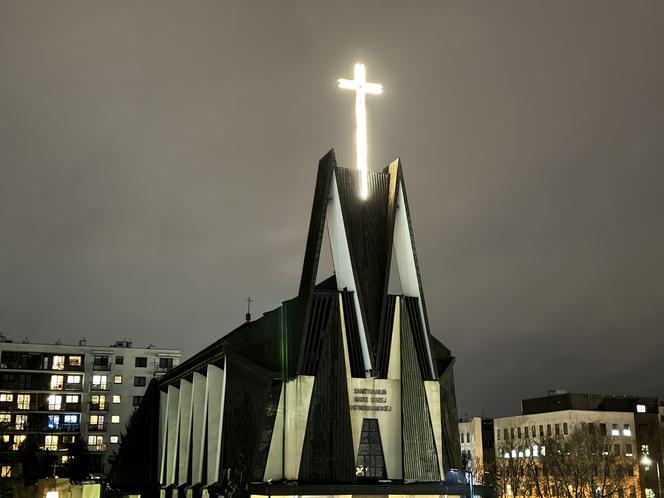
(99, 387)
(97, 427)
(98, 407)
(101, 367)
(96, 447)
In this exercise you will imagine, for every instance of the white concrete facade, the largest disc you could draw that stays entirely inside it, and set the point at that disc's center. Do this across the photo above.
(111, 383)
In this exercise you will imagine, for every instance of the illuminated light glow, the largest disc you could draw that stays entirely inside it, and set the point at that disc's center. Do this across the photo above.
(361, 87)
(52, 494)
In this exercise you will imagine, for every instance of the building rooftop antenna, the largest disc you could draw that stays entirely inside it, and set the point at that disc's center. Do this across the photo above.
(247, 317)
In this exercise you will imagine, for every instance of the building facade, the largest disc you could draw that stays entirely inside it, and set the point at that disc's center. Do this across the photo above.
(477, 444)
(629, 425)
(59, 393)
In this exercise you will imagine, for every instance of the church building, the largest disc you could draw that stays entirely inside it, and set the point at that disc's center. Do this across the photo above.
(342, 390)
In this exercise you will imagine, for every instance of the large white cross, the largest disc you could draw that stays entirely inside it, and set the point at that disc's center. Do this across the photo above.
(361, 87)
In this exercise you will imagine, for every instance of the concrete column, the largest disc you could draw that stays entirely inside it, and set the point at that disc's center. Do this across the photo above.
(200, 401)
(163, 399)
(216, 394)
(172, 429)
(185, 432)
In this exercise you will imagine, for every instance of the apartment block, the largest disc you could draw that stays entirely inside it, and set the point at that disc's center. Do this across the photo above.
(58, 393)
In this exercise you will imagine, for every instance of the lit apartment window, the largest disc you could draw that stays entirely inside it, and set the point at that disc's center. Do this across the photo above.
(71, 419)
(119, 360)
(6, 471)
(114, 439)
(5, 418)
(141, 361)
(58, 363)
(98, 401)
(535, 450)
(627, 430)
(139, 381)
(115, 419)
(23, 402)
(96, 443)
(50, 442)
(650, 493)
(566, 428)
(16, 443)
(97, 422)
(74, 361)
(6, 397)
(615, 431)
(57, 382)
(53, 421)
(117, 398)
(71, 398)
(640, 408)
(506, 454)
(526, 452)
(117, 379)
(73, 379)
(513, 453)
(645, 450)
(20, 422)
(55, 402)
(99, 382)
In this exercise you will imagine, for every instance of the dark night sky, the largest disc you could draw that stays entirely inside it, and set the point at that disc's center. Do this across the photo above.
(157, 162)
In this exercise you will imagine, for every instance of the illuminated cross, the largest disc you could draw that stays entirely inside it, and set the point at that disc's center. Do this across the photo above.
(361, 87)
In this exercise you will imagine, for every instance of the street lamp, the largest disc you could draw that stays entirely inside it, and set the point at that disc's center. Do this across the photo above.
(470, 479)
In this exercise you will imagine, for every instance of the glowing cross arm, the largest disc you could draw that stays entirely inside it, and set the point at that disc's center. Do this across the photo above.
(372, 88)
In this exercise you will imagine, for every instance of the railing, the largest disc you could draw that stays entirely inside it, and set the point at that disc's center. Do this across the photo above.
(98, 408)
(101, 367)
(96, 447)
(97, 427)
(99, 387)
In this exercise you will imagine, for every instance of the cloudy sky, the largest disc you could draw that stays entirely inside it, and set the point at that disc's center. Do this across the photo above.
(157, 162)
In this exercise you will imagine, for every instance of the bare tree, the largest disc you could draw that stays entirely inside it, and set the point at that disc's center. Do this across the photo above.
(585, 464)
(580, 465)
